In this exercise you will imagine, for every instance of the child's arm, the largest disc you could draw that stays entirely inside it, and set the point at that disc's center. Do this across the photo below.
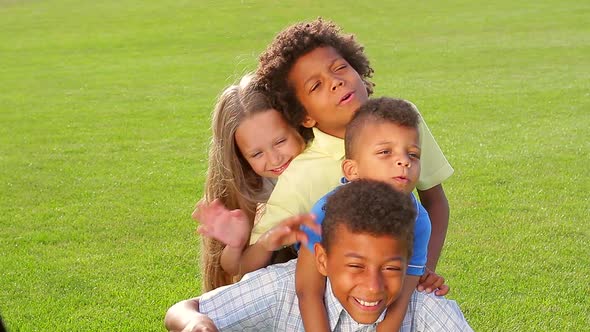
(397, 310)
(287, 232)
(310, 287)
(185, 316)
(435, 169)
(435, 202)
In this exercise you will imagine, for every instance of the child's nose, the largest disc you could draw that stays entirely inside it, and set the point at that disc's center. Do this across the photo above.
(337, 83)
(404, 162)
(374, 282)
(275, 158)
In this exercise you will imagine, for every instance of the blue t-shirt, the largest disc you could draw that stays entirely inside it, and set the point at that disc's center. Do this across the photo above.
(422, 228)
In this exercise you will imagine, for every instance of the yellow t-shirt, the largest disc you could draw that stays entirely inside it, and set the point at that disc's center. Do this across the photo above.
(318, 170)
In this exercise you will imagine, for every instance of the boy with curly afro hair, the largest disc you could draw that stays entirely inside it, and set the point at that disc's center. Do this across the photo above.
(318, 77)
(288, 46)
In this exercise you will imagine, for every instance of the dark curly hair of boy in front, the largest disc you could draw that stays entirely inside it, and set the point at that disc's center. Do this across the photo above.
(292, 43)
(379, 110)
(370, 207)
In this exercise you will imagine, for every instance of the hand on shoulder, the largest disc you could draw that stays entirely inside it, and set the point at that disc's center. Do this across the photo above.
(430, 281)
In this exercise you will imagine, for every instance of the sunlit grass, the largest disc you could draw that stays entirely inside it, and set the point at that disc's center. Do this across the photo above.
(105, 114)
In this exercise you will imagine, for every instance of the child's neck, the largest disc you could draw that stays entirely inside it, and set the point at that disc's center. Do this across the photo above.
(338, 133)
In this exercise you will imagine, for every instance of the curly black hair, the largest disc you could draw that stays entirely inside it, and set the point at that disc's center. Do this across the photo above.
(292, 43)
(371, 207)
(381, 110)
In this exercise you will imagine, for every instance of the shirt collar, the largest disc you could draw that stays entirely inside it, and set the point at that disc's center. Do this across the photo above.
(328, 144)
(336, 310)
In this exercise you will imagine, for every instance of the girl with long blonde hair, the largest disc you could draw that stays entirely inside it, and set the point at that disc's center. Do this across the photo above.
(251, 146)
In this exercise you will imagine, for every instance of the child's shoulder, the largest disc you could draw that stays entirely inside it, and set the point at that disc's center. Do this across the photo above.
(311, 165)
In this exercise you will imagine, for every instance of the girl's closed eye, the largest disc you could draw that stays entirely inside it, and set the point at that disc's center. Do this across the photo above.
(257, 154)
(281, 141)
(384, 152)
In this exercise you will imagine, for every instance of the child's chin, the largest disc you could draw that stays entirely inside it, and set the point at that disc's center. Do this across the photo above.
(365, 319)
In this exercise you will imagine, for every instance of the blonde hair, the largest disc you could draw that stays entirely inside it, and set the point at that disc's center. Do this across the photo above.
(229, 176)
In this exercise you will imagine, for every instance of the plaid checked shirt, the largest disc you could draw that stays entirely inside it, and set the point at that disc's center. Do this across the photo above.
(265, 300)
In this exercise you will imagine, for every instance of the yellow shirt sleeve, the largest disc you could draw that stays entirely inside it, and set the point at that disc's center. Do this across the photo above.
(435, 167)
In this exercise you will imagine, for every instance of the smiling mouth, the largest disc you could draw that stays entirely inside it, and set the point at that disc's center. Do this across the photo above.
(367, 304)
(279, 170)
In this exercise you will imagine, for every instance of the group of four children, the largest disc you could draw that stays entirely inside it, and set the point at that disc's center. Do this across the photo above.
(306, 116)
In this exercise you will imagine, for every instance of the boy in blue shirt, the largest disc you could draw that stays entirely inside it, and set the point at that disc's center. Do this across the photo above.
(382, 142)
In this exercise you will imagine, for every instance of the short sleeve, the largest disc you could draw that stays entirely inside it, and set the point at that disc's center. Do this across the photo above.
(318, 211)
(422, 230)
(435, 167)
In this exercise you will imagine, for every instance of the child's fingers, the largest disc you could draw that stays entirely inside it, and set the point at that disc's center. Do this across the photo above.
(237, 213)
(276, 237)
(309, 221)
(202, 229)
(438, 282)
(195, 214)
(424, 276)
(442, 290)
(301, 236)
(427, 285)
(292, 221)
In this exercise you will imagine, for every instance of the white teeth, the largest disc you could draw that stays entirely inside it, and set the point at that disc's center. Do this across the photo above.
(368, 304)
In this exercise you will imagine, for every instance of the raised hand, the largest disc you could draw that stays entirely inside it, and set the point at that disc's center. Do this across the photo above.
(230, 227)
(288, 232)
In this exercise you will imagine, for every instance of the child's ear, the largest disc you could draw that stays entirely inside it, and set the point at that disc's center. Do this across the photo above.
(321, 259)
(308, 122)
(350, 169)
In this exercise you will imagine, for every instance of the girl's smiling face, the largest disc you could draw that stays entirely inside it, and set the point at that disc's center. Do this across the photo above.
(268, 143)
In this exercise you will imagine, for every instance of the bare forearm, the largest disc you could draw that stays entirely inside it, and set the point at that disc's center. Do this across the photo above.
(435, 202)
(397, 310)
(310, 286)
(253, 258)
(314, 315)
(230, 260)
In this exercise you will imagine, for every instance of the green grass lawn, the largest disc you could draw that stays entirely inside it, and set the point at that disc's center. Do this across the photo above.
(104, 113)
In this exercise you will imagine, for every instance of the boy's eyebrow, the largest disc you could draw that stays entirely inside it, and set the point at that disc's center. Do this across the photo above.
(390, 141)
(355, 255)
